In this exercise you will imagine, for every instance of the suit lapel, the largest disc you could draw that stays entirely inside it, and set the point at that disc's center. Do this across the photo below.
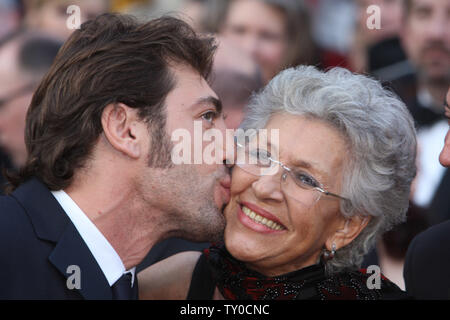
(51, 223)
(71, 250)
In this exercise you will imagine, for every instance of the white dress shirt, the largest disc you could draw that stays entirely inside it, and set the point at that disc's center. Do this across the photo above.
(105, 255)
(430, 172)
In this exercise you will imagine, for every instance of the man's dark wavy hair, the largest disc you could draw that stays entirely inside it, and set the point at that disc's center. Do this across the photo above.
(111, 59)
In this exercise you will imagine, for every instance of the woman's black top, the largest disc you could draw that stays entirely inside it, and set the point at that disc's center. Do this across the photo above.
(217, 268)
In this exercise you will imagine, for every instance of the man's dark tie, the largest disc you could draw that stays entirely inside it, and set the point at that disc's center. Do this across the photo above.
(122, 289)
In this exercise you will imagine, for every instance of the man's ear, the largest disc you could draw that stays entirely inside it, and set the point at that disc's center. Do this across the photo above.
(349, 229)
(121, 126)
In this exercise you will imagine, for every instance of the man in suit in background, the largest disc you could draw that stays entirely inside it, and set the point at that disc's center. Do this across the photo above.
(99, 187)
(428, 258)
(426, 40)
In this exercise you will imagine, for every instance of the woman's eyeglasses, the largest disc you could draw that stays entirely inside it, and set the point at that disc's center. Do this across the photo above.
(295, 183)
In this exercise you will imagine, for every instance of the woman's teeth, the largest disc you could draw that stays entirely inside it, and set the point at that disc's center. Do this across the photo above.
(261, 220)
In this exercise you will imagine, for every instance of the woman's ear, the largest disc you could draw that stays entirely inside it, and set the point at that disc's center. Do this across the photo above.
(349, 229)
(121, 128)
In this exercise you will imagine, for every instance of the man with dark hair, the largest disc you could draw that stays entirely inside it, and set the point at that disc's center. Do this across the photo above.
(428, 259)
(99, 187)
(235, 77)
(25, 57)
(426, 40)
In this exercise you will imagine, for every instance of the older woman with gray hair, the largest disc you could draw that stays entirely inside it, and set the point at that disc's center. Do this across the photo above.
(327, 171)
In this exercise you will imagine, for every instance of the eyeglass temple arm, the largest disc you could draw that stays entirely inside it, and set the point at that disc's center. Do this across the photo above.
(330, 193)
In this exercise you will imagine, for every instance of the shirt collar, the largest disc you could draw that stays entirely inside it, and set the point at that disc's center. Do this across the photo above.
(105, 255)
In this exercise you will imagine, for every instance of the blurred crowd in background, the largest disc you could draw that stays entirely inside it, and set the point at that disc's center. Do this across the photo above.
(410, 53)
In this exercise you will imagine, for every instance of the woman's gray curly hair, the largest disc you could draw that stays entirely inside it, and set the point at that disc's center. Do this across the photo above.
(380, 133)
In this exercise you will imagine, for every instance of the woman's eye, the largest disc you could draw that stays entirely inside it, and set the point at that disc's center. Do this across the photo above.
(306, 180)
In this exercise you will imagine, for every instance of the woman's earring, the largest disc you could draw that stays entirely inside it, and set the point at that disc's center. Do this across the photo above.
(328, 255)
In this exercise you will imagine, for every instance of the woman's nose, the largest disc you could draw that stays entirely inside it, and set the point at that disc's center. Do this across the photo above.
(268, 188)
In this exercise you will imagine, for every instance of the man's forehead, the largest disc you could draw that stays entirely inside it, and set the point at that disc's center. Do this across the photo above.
(186, 74)
(190, 87)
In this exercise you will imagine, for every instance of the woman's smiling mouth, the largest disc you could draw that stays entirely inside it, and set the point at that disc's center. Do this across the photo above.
(258, 219)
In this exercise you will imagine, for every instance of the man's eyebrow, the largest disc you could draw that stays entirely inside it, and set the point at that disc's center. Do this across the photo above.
(209, 101)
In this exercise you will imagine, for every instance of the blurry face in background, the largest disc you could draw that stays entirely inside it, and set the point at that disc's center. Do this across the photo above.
(193, 14)
(52, 16)
(391, 18)
(9, 16)
(260, 30)
(15, 97)
(445, 154)
(426, 37)
(235, 76)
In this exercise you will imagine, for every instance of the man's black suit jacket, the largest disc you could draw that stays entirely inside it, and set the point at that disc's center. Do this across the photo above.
(427, 265)
(439, 209)
(38, 244)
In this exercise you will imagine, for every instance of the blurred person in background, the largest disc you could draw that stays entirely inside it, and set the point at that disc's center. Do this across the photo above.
(390, 250)
(145, 10)
(25, 57)
(426, 39)
(332, 29)
(276, 33)
(235, 77)
(428, 257)
(195, 13)
(378, 51)
(11, 15)
(127, 5)
(50, 16)
(205, 16)
(425, 36)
